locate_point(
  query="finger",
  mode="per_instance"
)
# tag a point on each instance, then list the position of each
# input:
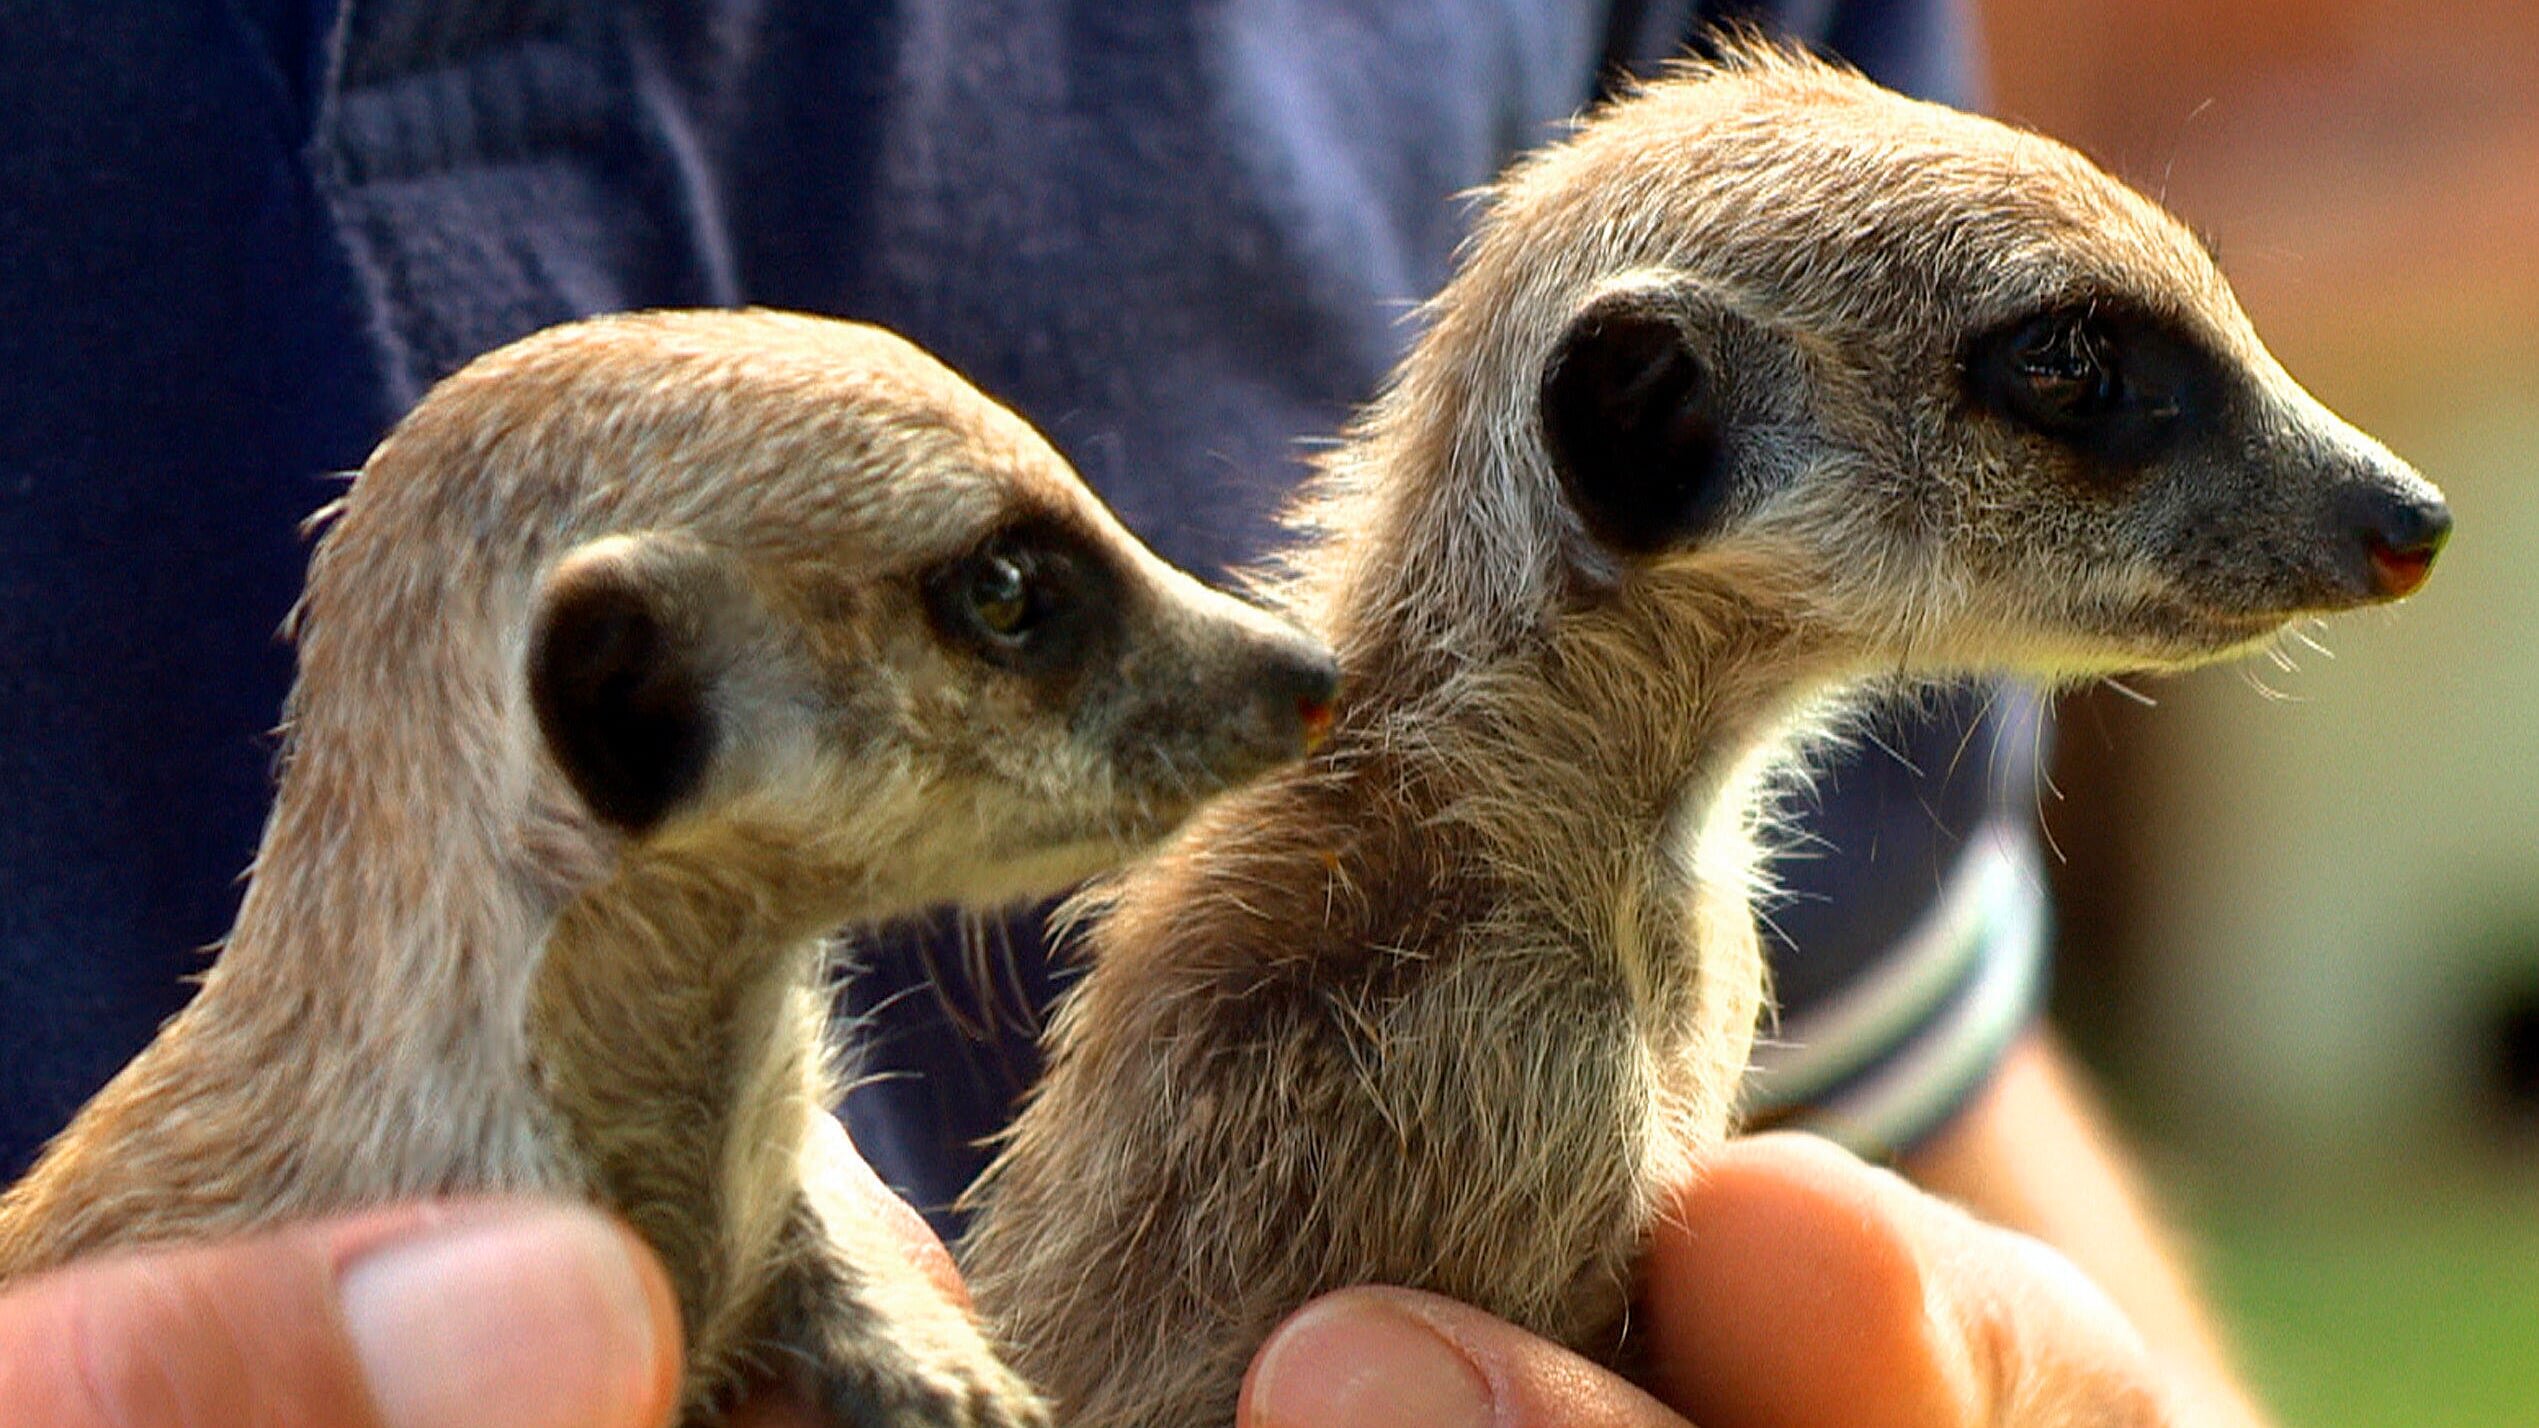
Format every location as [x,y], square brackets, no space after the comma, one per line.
[484,1315]
[1396,1358]
[1783,1291]
[1796,1287]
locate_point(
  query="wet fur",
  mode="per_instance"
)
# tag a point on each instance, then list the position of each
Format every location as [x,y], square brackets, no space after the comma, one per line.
[478,958]
[1448,1006]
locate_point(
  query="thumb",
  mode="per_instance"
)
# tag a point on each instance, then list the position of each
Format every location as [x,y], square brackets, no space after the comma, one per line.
[486,1315]
[1795,1286]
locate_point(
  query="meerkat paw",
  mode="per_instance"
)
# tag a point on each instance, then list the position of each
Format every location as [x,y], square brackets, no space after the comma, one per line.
[894,1379]
[875,1344]
[875,1341]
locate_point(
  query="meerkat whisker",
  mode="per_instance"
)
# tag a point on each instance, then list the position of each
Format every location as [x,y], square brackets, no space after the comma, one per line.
[2111,682]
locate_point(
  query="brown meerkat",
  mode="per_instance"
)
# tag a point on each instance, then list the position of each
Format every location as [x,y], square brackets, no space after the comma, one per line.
[1764,386]
[643,653]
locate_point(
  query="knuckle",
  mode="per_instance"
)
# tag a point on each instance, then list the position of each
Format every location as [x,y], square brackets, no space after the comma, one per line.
[186,1339]
[155,1348]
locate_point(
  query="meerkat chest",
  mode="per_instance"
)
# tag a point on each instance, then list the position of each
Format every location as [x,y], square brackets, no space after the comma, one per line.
[689,1104]
[1485,1136]
[1556,1098]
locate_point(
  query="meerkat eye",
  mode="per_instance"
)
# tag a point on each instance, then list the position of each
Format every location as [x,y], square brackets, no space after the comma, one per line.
[2115,384]
[1027,597]
[999,595]
[992,598]
[2064,371]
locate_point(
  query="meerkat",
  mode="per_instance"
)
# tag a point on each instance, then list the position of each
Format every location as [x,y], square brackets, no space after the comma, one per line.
[641,655]
[1763,387]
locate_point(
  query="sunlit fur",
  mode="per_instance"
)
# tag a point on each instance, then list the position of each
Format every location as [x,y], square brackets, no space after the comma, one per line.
[1448,1006]
[448,976]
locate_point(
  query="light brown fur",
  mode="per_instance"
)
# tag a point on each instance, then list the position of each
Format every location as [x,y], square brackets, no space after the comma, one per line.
[1450,1004]
[450,975]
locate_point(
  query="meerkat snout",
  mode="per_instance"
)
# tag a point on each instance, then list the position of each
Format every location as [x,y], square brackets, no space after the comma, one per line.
[2244,501]
[2398,530]
[1165,691]
[1188,662]
[1279,686]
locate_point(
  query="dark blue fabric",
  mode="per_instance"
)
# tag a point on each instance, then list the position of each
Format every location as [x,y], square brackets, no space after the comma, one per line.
[183,358]
[236,239]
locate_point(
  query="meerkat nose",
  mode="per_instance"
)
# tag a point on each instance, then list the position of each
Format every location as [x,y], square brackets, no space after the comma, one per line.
[2400,532]
[1307,679]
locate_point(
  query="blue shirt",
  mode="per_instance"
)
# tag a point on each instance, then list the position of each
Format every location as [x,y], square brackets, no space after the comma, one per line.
[236,240]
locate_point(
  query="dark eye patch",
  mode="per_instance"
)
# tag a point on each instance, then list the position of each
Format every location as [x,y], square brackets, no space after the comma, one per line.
[1036,597]
[2113,384]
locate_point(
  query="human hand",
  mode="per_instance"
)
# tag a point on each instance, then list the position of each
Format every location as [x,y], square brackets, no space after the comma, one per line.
[1794,1286]
[483,1314]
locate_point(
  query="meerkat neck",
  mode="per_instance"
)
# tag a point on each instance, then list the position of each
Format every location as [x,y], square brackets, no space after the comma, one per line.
[679,942]
[1611,764]
[1579,752]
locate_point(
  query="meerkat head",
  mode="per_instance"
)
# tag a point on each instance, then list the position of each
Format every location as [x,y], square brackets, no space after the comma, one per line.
[1955,395]
[794,594]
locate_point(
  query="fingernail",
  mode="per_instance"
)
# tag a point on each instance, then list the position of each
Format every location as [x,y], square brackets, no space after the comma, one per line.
[1358,1362]
[533,1320]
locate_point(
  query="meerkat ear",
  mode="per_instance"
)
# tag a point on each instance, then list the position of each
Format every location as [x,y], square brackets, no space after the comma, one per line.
[619,678]
[1630,417]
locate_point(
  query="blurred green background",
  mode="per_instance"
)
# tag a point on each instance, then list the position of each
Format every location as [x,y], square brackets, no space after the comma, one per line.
[2300,906]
